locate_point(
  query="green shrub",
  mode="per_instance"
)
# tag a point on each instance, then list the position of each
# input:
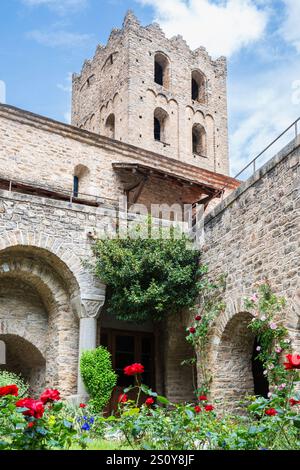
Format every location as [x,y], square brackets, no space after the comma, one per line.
[10,378]
[98,376]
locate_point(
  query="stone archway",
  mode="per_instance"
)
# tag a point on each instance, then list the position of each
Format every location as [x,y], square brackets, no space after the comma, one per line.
[26,360]
[36,307]
[232,368]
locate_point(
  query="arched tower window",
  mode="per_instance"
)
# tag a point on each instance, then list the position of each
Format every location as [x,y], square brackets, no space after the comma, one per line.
[198,86]
[161,70]
[81,180]
[160,124]
[199,140]
[110,126]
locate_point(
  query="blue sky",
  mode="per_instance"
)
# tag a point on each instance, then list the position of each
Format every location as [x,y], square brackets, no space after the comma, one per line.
[43,41]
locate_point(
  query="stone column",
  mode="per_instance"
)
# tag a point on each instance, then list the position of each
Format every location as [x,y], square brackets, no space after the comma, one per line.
[88,313]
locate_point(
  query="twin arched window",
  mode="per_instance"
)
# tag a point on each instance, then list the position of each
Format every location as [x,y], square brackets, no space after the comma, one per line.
[162,77]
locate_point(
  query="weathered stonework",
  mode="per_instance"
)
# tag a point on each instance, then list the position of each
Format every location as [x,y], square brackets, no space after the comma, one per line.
[252,235]
[119,82]
[51,305]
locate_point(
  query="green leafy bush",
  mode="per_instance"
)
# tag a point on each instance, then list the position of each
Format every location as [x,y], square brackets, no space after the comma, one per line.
[148,278]
[98,376]
[9,378]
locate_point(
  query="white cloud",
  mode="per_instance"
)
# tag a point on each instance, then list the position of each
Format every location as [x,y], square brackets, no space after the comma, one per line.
[59,38]
[223,28]
[59,6]
[67,86]
[261,108]
[2,92]
[290,29]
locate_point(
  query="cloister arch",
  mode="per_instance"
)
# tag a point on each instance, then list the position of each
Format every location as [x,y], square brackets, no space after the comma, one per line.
[235,372]
[25,359]
[35,305]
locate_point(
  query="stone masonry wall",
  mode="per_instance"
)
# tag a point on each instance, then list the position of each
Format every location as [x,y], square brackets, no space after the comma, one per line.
[254,234]
[119,80]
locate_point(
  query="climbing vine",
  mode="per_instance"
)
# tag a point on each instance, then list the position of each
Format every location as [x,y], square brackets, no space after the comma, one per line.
[272,336]
[210,305]
[148,278]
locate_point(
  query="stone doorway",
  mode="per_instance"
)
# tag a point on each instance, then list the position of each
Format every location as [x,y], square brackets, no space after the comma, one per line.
[24,359]
[128,347]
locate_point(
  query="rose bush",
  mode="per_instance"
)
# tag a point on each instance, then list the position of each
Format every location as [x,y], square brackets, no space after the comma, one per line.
[35,424]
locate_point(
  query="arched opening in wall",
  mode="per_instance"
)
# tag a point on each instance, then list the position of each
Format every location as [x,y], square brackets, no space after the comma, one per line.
[198,86]
[261,385]
[160,125]
[110,126]
[199,140]
[81,181]
[36,288]
[232,373]
[23,358]
[162,70]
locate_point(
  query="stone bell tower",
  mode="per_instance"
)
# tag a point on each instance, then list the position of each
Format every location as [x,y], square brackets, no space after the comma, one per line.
[156,93]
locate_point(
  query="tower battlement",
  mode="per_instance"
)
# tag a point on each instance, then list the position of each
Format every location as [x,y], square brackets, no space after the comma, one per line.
[147,90]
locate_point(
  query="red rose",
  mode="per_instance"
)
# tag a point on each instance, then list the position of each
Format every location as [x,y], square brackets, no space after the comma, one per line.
[30,425]
[293,361]
[294,402]
[149,401]
[198,318]
[50,395]
[202,398]
[192,330]
[209,408]
[35,407]
[123,398]
[271,412]
[24,403]
[9,390]
[82,405]
[197,409]
[134,369]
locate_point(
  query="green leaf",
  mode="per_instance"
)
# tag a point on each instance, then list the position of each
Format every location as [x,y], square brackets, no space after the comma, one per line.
[162,400]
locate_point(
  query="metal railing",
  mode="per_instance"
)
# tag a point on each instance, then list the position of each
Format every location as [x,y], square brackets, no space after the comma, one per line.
[55,192]
[253,162]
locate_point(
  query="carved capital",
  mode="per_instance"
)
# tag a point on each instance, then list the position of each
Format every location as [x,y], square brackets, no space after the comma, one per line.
[88,307]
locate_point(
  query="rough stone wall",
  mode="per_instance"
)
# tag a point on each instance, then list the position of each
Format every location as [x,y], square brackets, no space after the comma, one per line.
[254,234]
[46,153]
[120,80]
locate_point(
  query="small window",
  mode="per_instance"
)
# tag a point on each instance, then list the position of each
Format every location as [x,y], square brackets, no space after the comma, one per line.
[75,186]
[160,125]
[157,130]
[110,126]
[81,180]
[198,86]
[199,140]
[161,70]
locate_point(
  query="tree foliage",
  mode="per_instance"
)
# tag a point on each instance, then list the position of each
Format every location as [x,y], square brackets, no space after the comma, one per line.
[148,278]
